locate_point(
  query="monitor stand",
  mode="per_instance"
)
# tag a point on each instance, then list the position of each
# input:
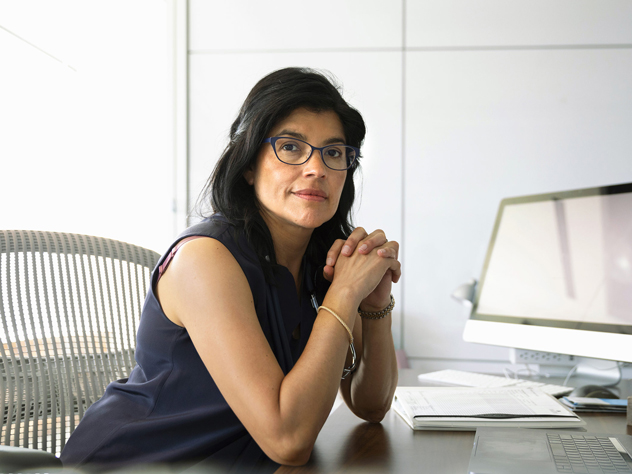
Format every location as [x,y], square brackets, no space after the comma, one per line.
[606,373]
[586,371]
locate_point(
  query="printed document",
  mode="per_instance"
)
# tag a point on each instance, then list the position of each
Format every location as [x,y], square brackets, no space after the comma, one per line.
[466,408]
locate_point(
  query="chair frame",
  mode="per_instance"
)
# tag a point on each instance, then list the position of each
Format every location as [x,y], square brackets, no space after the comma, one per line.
[70,305]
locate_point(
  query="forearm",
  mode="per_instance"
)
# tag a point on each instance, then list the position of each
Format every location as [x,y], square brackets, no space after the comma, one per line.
[308,391]
[370,391]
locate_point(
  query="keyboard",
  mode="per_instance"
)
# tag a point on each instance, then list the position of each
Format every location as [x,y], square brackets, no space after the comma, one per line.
[472,379]
[588,454]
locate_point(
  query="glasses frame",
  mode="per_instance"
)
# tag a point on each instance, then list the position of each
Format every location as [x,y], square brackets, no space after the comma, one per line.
[272,141]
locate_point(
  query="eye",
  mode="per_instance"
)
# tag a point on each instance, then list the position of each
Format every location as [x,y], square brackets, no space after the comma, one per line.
[288,146]
[334,152]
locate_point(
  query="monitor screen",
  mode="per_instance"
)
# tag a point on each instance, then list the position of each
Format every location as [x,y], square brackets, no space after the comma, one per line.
[558,275]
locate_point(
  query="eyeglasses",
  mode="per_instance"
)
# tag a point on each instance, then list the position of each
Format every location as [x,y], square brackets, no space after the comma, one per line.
[293,151]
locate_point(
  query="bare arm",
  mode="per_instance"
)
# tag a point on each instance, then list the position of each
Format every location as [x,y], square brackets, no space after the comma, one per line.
[369,390]
[205,291]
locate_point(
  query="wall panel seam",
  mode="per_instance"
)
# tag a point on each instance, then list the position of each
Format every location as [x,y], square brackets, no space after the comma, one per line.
[387,49]
[400,343]
[413,49]
[518,47]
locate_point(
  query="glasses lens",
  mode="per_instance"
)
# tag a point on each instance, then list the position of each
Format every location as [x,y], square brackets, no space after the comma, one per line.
[292,151]
[339,157]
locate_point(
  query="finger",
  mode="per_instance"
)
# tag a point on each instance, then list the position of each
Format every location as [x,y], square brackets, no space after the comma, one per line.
[375,239]
[352,241]
[396,272]
[395,268]
[389,250]
[328,273]
[334,251]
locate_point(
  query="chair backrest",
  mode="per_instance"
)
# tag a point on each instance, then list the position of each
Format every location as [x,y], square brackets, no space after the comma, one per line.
[69,308]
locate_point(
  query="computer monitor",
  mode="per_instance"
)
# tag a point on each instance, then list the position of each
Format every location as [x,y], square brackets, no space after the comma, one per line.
[558,275]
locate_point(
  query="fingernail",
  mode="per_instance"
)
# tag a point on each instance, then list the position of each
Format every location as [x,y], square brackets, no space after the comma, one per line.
[330,262]
[364,247]
[346,250]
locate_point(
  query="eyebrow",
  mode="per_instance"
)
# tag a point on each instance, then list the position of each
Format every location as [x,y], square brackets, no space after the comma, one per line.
[300,136]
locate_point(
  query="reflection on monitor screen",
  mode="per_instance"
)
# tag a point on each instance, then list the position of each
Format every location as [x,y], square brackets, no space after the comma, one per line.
[558,275]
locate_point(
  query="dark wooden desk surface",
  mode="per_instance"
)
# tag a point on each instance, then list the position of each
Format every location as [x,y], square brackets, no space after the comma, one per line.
[348,444]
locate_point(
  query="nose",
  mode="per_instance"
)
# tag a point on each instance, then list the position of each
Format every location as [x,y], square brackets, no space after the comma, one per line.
[315,166]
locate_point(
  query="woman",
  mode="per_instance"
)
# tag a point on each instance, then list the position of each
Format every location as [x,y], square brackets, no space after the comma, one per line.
[252,317]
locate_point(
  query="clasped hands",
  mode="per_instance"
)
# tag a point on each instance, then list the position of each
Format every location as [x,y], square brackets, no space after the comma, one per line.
[368,263]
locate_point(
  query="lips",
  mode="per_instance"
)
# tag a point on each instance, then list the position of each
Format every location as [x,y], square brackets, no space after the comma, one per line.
[311,194]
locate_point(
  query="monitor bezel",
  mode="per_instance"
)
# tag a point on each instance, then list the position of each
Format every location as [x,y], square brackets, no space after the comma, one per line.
[557,336]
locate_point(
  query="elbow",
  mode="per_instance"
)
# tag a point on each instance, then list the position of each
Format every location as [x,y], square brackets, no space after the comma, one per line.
[291,451]
[375,415]
[372,411]
[293,458]
[375,408]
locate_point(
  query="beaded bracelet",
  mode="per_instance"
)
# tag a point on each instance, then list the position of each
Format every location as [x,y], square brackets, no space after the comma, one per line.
[347,370]
[378,314]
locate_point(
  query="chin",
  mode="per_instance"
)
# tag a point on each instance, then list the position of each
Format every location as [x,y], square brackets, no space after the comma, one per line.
[309,224]
[312,222]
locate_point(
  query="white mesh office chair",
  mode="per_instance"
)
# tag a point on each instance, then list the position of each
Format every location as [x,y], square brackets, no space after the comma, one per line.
[69,308]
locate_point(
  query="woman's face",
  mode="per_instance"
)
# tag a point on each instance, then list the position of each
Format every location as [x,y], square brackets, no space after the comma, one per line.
[304,195]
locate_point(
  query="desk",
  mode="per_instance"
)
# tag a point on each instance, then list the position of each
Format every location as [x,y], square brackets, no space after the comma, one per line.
[347,444]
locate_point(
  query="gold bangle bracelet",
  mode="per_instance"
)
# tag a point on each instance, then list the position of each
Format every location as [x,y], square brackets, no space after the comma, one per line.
[378,314]
[346,370]
[341,322]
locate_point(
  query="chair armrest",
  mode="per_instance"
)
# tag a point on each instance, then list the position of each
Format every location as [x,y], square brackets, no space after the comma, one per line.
[14,459]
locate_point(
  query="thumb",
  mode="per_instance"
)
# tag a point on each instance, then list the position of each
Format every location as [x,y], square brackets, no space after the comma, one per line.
[328,273]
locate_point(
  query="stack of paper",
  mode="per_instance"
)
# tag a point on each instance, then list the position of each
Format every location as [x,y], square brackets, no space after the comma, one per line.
[595,405]
[466,408]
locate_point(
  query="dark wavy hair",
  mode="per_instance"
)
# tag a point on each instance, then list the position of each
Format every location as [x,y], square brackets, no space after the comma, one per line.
[271,100]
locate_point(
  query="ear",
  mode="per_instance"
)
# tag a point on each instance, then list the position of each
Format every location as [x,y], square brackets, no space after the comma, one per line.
[249,176]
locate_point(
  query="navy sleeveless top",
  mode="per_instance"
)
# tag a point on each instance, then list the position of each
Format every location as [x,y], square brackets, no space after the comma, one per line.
[169,410]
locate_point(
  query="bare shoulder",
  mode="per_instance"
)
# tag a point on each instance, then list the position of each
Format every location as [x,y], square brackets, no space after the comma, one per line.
[202,272]
[204,250]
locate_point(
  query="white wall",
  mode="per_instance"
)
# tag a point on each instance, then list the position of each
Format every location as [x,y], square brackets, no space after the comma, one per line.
[466,102]
[84,107]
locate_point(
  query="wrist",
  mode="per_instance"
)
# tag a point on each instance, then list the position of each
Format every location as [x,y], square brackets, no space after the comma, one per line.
[379,314]
[345,297]
[372,308]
